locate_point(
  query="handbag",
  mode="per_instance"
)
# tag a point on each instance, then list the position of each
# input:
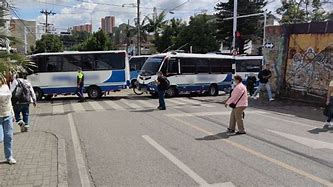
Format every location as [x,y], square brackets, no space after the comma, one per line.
[233,105]
[327,111]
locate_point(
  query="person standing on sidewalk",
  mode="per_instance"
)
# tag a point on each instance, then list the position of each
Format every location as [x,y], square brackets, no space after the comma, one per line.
[162,86]
[264,76]
[23,95]
[238,102]
[6,120]
[329,102]
[80,84]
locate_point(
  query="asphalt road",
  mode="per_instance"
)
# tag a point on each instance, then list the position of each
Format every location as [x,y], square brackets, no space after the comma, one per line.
[122,140]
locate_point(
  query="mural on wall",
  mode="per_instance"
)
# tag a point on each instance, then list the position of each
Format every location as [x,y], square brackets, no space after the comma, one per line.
[310,63]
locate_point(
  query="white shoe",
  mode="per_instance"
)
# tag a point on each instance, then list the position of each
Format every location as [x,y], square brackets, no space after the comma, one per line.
[11,161]
[271,99]
[328,125]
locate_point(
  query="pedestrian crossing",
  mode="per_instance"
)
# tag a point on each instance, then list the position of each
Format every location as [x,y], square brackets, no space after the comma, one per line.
[61,107]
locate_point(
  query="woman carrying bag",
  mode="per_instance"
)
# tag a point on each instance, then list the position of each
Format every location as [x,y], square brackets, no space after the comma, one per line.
[329,107]
[238,102]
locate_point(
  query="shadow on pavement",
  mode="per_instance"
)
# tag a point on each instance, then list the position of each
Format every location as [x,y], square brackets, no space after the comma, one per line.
[320,130]
[146,110]
[218,136]
[3,162]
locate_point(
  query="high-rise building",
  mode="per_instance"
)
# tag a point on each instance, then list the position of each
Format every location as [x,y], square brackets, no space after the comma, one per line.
[108,23]
[83,28]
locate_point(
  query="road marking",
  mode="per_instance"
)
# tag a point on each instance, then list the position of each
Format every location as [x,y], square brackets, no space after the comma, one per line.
[315,144]
[84,177]
[260,155]
[58,108]
[268,115]
[175,101]
[195,102]
[182,166]
[208,114]
[78,107]
[96,106]
[114,105]
[147,104]
[130,104]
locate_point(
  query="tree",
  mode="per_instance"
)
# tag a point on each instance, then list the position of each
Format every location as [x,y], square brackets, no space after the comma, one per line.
[250,28]
[11,62]
[330,16]
[200,34]
[71,41]
[48,43]
[301,11]
[156,24]
[98,41]
[166,40]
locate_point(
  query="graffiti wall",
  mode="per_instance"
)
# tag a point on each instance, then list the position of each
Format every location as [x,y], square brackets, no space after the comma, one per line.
[309,66]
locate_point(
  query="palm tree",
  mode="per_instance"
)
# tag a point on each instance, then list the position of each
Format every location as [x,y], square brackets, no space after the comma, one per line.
[9,62]
[156,23]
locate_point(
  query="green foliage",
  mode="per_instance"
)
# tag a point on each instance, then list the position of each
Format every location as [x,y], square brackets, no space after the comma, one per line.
[200,34]
[71,41]
[48,43]
[98,41]
[250,28]
[301,11]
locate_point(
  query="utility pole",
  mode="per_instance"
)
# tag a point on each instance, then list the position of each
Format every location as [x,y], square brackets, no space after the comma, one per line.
[47,13]
[234,25]
[139,29]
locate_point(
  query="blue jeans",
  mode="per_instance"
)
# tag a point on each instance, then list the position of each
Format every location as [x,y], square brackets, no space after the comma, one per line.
[24,109]
[161,94]
[261,86]
[6,135]
[330,116]
[79,92]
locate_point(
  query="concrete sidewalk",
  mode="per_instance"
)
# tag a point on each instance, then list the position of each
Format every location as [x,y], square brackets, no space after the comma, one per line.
[41,160]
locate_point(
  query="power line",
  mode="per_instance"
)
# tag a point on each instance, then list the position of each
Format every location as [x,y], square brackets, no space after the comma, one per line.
[47,14]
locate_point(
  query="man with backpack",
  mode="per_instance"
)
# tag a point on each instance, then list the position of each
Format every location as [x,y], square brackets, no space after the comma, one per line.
[22,95]
[162,85]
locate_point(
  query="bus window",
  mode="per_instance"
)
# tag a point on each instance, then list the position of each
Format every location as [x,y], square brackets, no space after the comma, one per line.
[71,62]
[87,62]
[137,63]
[173,66]
[109,61]
[218,66]
[187,66]
[250,65]
[202,65]
[152,65]
[51,64]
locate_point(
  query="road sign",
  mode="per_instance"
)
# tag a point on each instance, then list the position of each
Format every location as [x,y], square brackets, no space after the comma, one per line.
[269,45]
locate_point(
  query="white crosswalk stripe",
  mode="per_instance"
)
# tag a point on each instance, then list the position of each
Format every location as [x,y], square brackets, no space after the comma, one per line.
[77,107]
[114,105]
[96,106]
[58,108]
[126,104]
[130,104]
[147,104]
[195,102]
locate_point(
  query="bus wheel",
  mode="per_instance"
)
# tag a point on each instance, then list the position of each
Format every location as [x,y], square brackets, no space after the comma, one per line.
[48,97]
[39,94]
[94,92]
[171,92]
[213,91]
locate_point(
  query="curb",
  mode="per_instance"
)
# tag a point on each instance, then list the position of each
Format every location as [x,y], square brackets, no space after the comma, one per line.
[62,163]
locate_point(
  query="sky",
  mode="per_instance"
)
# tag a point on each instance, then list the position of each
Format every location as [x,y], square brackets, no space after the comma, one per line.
[77,12]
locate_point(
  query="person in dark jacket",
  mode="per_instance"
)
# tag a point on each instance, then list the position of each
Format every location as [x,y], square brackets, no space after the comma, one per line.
[161,88]
[250,83]
[264,76]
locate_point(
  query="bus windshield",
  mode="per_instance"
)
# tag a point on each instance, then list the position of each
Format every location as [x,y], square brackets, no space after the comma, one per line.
[152,65]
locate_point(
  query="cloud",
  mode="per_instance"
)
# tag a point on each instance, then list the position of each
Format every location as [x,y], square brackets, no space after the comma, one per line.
[76,12]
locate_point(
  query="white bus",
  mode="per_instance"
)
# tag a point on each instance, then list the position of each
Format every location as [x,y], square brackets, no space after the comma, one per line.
[56,72]
[200,73]
[246,65]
